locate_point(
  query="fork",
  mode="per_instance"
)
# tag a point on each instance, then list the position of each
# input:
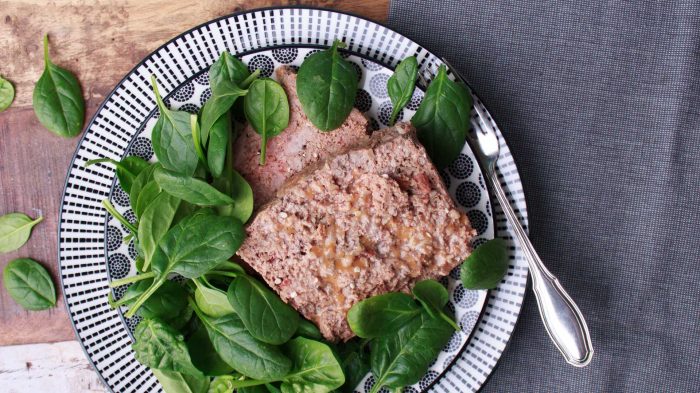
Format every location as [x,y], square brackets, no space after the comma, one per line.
[561,316]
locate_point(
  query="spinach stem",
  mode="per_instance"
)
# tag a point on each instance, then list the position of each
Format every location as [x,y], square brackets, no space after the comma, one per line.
[263,147]
[249,382]
[99,161]
[247,81]
[132,279]
[142,299]
[108,206]
[46,50]
[197,141]
[222,273]
[450,321]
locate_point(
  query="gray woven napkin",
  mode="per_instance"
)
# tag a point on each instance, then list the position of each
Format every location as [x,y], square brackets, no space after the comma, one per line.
[600,104]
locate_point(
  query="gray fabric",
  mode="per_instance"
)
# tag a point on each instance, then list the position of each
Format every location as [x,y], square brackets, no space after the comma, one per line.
[600,104]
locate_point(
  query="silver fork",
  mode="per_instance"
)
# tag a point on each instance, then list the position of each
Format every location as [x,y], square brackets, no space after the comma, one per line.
[560,315]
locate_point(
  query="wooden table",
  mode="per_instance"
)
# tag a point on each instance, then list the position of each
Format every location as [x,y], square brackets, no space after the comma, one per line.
[100,41]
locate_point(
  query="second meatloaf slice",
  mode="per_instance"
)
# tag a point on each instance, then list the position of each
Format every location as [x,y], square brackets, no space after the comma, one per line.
[369,221]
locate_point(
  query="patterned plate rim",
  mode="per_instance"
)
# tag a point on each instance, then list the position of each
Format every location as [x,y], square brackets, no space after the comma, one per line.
[522,209]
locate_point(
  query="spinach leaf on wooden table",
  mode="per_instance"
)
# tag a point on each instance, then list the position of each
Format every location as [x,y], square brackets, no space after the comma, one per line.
[382,314]
[172,138]
[7,94]
[29,284]
[15,229]
[238,348]
[263,313]
[190,189]
[486,266]
[161,347]
[327,85]
[442,120]
[267,110]
[57,99]
[401,85]
[434,297]
[402,358]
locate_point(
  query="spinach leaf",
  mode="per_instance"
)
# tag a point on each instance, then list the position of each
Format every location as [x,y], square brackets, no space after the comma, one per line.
[147,195]
[223,96]
[161,347]
[267,110]
[154,223]
[433,296]
[486,266]
[241,350]
[219,135]
[401,359]
[174,382]
[355,363]
[203,354]
[212,301]
[401,85]
[263,313]
[172,138]
[168,304]
[197,139]
[442,120]
[228,69]
[132,293]
[143,178]
[127,169]
[7,94]
[309,330]
[192,190]
[382,314]
[192,247]
[222,384]
[233,184]
[57,99]
[29,284]
[314,367]
[327,85]
[15,229]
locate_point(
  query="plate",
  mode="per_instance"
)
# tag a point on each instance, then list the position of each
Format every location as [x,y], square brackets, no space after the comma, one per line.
[91,250]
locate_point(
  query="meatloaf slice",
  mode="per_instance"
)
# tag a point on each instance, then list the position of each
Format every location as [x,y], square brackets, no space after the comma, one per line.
[372,220]
[299,145]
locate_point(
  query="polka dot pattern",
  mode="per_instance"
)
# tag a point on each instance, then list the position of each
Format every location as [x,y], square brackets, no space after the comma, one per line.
[118,265]
[477,241]
[141,148]
[189,108]
[363,100]
[478,221]
[454,343]
[468,320]
[131,217]
[132,250]
[113,238]
[465,297]
[120,197]
[377,85]
[468,194]
[370,65]
[285,55]
[384,114]
[263,63]
[311,52]
[428,379]
[416,100]
[206,95]
[119,291]
[131,323]
[462,167]
[202,79]
[184,92]
[369,383]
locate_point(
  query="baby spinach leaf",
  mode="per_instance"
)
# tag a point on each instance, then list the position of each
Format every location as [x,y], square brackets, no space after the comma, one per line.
[197,139]
[7,94]
[174,382]
[212,301]
[401,359]
[15,229]
[154,223]
[228,69]
[147,195]
[327,85]
[168,304]
[233,184]
[401,85]
[314,367]
[241,350]
[161,347]
[433,296]
[172,138]
[132,293]
[442,120]
[194,246]
[57,99]
[263,313]
[143,178]
[223,96]
[267,110]
[309,330]
[204,355]
[29,284]
[382,314]
[486,266]
[188,188]
[127,169]
[219,136]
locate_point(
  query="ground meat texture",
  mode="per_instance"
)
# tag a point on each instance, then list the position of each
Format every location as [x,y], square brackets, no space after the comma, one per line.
[298,146]
[374,219]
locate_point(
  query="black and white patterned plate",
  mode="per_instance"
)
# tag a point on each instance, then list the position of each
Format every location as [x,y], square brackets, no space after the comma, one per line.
[91,252]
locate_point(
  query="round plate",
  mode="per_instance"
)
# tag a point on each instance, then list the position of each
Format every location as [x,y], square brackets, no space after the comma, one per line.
[91,251]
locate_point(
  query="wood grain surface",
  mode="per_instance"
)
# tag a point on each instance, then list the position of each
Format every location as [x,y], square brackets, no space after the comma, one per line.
[100,41]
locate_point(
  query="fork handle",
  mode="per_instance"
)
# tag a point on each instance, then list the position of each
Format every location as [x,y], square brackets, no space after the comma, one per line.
[560,315]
